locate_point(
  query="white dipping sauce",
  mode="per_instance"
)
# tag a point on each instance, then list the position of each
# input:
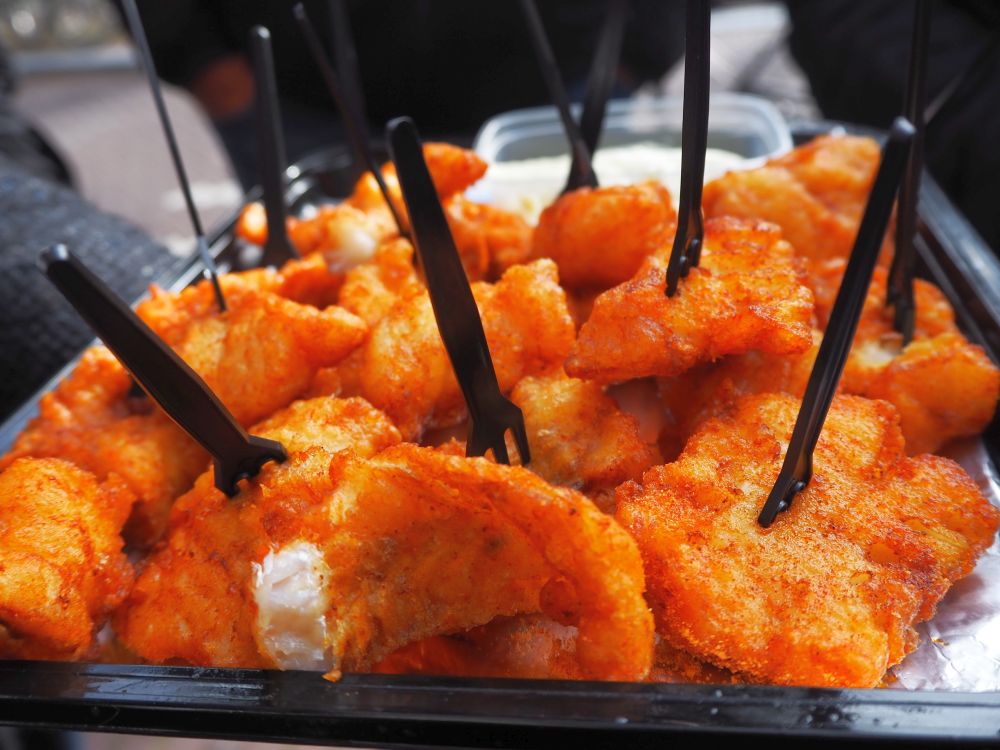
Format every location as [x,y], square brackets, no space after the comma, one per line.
[528,186]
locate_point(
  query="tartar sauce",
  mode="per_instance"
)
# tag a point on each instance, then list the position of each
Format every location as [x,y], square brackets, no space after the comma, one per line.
[528,186]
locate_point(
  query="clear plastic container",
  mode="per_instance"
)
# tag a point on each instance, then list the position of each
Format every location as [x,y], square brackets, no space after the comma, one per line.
[746,125]
[529,154]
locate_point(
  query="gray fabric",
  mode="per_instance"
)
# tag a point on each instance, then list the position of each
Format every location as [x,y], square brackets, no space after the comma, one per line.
[39,331]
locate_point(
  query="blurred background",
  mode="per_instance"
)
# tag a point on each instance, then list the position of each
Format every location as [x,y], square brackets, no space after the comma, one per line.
[69,72]
[451,64]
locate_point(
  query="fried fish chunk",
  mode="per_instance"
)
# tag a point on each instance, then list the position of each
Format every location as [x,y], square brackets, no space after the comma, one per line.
[341,234]
[710,390]
[579,437]
[942,385]
[452,168]
[521,647]
[62,569]
[403,367]
[261,353]
[192,601]
[489,239]
[258,356]
[333,560]
[827,596]
[599,237]
[816,194]
[372,289]
[90,420]
[747,294]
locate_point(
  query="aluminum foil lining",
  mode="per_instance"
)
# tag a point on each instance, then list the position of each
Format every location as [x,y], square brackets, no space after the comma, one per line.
[960,647]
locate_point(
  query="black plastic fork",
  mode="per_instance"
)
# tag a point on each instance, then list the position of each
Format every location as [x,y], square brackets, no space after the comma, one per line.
[177,388]
[796,471]
[601,79]
[455,310]
[270,151]
[581,170]
[690,234]
[899,290]
[138,32]
[356,128]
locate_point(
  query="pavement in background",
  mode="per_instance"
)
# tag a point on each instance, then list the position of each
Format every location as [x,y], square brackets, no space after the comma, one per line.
[105,126]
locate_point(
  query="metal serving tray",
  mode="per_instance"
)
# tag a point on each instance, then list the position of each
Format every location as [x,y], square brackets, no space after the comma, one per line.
[417,711]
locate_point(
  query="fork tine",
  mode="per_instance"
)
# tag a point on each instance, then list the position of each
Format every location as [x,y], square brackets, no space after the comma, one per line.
[521,438]
[455,309]
[796,469]
[499,446]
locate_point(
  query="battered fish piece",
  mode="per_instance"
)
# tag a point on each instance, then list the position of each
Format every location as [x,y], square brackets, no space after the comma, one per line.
[521,647]
[62,569]
[452,168]
[192,601]
[348,234]
[90,420]
[341,234]
[579,437]
[334,560]
[747,294]
[258,356]
[827,596]
[943,386]
[838,169]
[934,314]
[261,353]
[599,237]
[489,239]
[372,289]
[710,390]
[404,370]
[816,194]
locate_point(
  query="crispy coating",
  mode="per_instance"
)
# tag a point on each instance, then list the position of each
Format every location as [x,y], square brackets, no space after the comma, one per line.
[934,314]
[452,168]
[829,594]
[403,534]
[62,569]
[489,239]
[522,647]
[341,234]
[262,352]
[816,194]
[599,237]
[371,289]
[943,388]
[710,390]
[942,385]
[90,420]
[546,548]
[257,357]
[579,437]
[838,169]
[403,367]
[191,602]
[747,294]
